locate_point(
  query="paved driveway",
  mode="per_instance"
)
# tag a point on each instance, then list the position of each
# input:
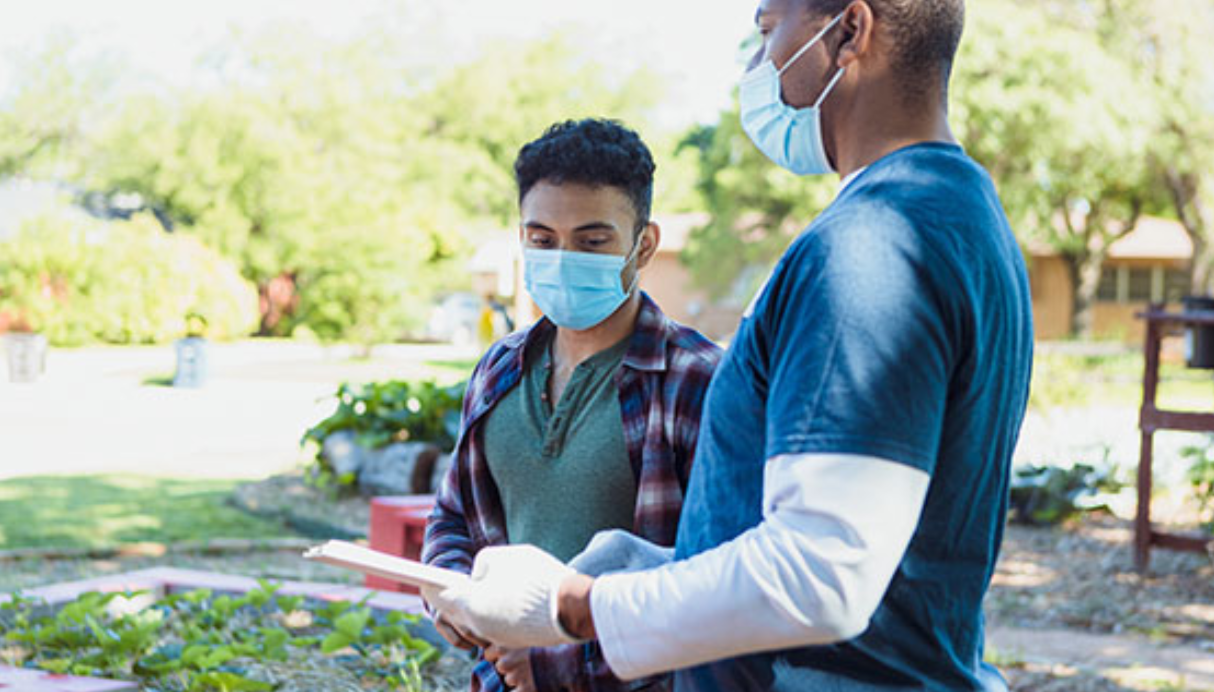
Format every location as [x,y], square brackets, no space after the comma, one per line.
[94,412]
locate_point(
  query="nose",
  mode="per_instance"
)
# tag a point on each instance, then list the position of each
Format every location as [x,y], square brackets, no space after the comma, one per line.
[758,57]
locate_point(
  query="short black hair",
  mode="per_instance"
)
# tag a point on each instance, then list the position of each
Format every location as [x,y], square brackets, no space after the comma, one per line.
[926,34]
[594,152]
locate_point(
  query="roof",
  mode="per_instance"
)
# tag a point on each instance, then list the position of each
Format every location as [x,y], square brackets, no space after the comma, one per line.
[1154,238]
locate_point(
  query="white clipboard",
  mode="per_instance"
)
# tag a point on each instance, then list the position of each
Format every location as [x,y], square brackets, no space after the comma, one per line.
[356,557]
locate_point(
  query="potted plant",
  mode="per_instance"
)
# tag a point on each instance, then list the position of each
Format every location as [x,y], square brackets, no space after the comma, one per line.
[192,353]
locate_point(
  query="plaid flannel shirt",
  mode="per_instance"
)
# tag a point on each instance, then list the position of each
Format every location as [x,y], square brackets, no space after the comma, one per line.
[662,382]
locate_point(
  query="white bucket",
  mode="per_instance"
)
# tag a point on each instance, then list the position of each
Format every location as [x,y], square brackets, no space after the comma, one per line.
[26,356]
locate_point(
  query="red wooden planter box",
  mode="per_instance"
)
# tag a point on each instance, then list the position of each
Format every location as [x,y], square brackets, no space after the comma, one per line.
[398,527]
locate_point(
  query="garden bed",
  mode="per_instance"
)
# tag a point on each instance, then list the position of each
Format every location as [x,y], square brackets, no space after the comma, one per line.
[174,630]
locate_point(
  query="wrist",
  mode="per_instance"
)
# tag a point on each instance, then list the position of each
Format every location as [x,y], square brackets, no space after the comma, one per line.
[573,606]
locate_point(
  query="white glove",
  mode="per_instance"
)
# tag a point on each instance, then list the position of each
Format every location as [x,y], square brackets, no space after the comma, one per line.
[616,550]
[511,599]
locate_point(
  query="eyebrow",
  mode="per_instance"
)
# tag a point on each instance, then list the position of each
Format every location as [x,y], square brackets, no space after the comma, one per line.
[592,226]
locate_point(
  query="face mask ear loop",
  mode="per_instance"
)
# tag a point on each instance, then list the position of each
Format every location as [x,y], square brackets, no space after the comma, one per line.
[633,254]
[829,86]
[810,44]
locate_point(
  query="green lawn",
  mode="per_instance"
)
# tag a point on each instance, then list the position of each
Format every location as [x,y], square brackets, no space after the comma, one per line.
[101,511]
[1115,379]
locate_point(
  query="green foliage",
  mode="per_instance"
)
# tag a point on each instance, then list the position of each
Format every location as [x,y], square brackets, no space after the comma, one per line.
[79,280]
[1044,495]
[197,642]
[395,411]
[756,209]
[1201,477]
[380,413]
[346,168]
[55,91]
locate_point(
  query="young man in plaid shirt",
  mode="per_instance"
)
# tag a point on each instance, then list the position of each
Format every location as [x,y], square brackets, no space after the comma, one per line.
[588,420]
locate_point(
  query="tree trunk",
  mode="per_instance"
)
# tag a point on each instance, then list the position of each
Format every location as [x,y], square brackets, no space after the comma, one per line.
[1085,280]
[1203,265]
[1193,213]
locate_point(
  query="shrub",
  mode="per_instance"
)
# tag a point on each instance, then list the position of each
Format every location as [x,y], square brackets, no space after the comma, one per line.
[1201,477]
[1043,495]
[79,280]
[384,412]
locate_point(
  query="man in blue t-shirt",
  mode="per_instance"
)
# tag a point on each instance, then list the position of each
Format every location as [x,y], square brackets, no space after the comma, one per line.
[846,504]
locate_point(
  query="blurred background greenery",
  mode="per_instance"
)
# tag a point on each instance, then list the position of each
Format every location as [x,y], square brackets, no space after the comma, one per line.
[333,187]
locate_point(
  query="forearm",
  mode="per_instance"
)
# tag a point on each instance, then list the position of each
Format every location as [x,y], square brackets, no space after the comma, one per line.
[812,572]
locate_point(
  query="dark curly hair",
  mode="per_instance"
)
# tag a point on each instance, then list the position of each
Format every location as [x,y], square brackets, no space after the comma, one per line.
[592,152]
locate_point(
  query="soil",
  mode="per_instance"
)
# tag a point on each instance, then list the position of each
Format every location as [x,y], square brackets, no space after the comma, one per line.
[1082,576]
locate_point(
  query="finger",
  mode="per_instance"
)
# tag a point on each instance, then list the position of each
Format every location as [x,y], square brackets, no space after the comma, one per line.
[514,657]
[477,641]
[471,637]
[452,634]
[492,654]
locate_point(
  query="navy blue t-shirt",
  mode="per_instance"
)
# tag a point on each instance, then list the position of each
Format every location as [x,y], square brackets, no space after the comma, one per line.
[898,325]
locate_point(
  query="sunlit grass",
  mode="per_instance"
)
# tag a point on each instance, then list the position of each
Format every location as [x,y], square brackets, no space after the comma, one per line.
[1077,380]
[101,511]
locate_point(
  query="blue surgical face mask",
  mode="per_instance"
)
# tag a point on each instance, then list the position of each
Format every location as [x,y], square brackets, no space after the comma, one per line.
[790,137]
[577,290]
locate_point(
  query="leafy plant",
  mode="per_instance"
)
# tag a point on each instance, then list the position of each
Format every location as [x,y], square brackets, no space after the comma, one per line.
[1201,477]
[380,413]
[200,642]
[1042,495]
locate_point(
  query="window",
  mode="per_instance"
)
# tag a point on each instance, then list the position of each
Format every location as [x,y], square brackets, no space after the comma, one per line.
[1176,284]
[1140,285]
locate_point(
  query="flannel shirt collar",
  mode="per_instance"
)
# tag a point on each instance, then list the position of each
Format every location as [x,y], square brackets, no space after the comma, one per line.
[646,350]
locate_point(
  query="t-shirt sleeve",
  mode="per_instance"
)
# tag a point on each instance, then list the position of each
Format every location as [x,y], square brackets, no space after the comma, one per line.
[858,340]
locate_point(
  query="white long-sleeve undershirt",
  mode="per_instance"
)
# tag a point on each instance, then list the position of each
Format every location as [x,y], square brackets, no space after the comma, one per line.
[834,530]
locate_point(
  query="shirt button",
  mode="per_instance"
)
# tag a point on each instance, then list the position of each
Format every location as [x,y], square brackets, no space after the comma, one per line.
[487,398]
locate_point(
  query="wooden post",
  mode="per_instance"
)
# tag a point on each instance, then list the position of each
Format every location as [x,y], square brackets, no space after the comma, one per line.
[1152,420]
[1150,385]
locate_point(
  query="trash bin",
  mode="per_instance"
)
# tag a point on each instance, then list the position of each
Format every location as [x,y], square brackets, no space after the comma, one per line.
[191,362]
[26,356]
[1199,339]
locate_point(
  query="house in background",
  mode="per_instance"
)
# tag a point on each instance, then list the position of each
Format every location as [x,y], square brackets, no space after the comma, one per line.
[1149,265]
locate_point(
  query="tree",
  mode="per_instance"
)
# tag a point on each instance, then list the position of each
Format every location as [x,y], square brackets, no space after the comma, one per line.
[344,178]
[55,92]
[755,209]
[1065,128]
[479,114]
[1168,45]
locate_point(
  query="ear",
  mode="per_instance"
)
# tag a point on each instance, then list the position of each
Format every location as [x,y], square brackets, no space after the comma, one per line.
[650,238]
[857,28]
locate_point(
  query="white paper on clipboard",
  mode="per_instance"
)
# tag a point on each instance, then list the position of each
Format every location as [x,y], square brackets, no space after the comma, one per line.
[356,557]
